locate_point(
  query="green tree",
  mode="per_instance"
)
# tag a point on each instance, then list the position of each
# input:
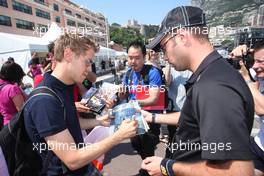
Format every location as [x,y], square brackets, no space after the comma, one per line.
[115,25]
[151,31]
[228,44]
[124,36]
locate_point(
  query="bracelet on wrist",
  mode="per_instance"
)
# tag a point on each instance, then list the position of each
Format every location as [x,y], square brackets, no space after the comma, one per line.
[166,167]
[249,81]
[140,103]
[153,118]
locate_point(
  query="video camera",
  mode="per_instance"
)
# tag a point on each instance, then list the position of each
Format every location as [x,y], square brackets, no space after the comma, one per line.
[250,37]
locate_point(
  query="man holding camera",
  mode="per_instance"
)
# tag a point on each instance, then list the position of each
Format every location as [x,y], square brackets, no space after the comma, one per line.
[218,110]
[257,90]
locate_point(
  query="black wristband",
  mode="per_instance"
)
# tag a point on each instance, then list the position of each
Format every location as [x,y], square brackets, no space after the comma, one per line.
[166,167]
[153,118]
[140,104]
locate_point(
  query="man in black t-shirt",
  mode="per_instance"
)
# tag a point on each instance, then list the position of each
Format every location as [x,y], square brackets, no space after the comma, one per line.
[215,122]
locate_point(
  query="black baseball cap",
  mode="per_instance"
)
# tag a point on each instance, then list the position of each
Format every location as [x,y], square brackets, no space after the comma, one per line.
[183,16]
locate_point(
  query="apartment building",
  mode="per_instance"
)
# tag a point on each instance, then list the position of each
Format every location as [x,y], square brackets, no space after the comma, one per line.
[33,17]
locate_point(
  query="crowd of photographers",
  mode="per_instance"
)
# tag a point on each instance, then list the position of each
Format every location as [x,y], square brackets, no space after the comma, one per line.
[213,102]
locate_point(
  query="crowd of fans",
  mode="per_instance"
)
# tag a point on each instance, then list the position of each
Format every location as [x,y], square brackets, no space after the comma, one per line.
[210,102]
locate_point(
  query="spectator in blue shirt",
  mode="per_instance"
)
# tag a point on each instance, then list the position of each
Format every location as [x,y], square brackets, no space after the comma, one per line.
[144,144]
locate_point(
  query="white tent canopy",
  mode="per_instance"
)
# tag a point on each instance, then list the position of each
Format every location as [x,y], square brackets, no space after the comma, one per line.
[53,33]
[121,53]
[106,52]
[20,47]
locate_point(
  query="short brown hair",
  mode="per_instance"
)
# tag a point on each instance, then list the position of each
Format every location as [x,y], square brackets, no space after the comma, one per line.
[79,44]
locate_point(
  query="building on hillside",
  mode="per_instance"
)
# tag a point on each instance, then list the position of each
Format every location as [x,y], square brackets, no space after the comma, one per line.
[133,24]
[260,17]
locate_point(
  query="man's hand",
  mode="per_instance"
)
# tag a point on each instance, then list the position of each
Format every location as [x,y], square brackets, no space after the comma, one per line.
[147,116]
[81,108]
[255,85]
[152,165]
[104,120]
[122,92]
[238,53]
[127,129]
[109,103]
[243,71]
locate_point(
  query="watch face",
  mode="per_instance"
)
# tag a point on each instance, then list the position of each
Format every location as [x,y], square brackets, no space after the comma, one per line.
[163,170]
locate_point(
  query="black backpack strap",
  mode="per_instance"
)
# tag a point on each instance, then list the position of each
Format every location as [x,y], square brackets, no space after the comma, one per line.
[43,90]
[40,91]
[16,136]
[145,73]
[127,75]
[129,81]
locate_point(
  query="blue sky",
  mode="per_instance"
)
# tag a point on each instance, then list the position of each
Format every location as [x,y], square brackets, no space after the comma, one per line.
[144,11]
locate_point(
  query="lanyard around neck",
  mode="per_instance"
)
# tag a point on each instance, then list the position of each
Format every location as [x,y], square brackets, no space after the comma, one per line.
[131,79]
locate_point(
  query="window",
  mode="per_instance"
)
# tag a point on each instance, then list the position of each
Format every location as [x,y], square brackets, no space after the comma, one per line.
[3,3]
[78,16]
[101,18]
[21,7]
[68,12]
[57,19]
[94,22]
[81,25]
[42,14]
[5,20]
[87,19]
[41,2]
[22,24]
[56,7]
[42,28]
[71,23]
